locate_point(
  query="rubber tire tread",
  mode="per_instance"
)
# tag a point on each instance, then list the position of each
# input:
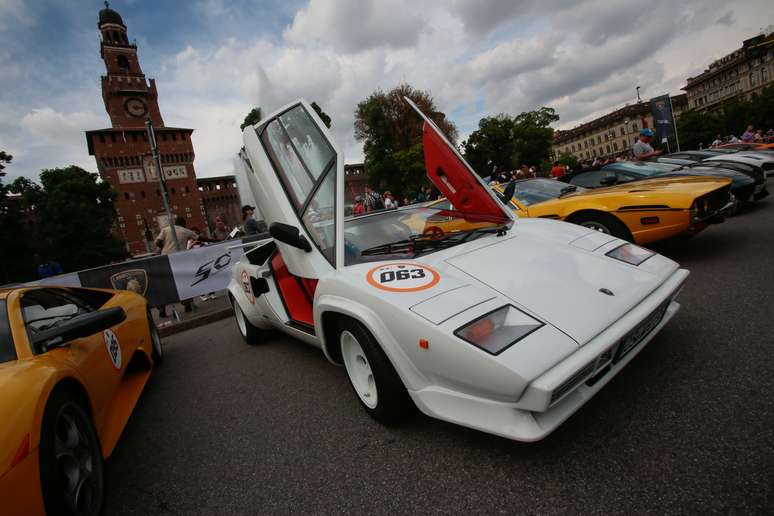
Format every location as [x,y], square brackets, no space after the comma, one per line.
[158,358]
[394,403]
[254,335]
[50,479]
[617,228]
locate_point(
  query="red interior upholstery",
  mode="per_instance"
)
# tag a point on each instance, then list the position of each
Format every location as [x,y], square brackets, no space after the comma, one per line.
[297,293]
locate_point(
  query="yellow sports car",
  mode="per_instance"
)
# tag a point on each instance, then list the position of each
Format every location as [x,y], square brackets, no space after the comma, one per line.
[641,212]
[73,363]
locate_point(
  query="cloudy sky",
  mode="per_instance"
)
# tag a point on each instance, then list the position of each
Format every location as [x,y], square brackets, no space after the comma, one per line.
[215,59]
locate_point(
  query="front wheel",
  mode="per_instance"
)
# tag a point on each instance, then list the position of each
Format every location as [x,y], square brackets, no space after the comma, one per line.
[156,352]
[250,333]
[71,467]
[604,223]
[371,374]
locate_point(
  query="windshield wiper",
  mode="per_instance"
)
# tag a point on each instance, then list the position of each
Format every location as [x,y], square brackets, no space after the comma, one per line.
[567,190]
[421,243]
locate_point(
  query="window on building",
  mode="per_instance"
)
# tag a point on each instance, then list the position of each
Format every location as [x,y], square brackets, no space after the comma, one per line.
[201,188]
[163,137]
[123,63]
[187,190]
[134,137]
[126,196]
[174,137]
[599,139]
[101,138]
[615,146]
[752,79]
[173,191]
[142,194]
[763,74]
[113,137]
[608,148]
[634,126]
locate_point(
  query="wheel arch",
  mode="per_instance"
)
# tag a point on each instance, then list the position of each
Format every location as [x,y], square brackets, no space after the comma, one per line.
[591,212]
[328,308]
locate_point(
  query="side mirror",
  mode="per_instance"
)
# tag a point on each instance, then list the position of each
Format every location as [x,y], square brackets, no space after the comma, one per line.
[290,235]
[609,180]
[79,326]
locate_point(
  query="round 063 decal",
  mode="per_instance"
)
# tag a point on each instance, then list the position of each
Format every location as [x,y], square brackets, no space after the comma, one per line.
[245,278]
[113,348]
[402,277]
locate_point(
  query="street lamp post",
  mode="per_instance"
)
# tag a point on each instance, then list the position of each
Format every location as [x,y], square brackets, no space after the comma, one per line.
[162,181]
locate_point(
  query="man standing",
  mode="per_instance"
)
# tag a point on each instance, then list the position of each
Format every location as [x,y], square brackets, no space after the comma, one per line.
[221,229]
[642,149]
[557,170]
[373,201]
[167,245]
[249,224]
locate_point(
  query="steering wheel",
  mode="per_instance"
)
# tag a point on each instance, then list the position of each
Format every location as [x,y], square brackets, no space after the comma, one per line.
[434,232]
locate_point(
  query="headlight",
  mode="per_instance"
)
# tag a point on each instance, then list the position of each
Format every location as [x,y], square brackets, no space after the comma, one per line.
[498,330]
[630,253]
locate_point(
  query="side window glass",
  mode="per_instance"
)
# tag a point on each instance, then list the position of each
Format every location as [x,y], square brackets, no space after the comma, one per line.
[307,140]
[45,309]
[298,181]
[590,179]
[320,217]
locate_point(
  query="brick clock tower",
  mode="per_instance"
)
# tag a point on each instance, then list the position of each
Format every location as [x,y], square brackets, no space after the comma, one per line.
[123,153]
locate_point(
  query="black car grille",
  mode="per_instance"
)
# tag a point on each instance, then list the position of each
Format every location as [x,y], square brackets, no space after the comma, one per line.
[709,204]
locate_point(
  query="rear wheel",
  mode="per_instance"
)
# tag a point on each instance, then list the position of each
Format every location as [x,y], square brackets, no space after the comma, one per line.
[71,467]
[250,333]
[371,374]
[603,223]
[156,351]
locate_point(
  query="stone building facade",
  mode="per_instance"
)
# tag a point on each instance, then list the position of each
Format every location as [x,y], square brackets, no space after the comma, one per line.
[610,135]
[220,196]
[739,75]
[123,153]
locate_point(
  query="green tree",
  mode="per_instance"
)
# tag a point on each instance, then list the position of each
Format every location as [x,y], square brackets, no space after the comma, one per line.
[569,160]
[16,262]
[695,127]
[322,114]
[75,217]
[252,118]
[503,142]
[391,133]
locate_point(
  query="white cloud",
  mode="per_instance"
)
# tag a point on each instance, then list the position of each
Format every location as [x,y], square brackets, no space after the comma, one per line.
[357,25]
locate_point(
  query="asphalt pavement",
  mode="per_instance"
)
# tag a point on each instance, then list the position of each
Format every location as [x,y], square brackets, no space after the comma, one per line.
[687,427]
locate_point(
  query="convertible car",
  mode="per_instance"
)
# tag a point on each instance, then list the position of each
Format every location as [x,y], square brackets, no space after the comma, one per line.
[466,326]
[73,363]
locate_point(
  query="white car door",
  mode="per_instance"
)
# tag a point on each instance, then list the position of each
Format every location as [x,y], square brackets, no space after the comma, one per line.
[296,174]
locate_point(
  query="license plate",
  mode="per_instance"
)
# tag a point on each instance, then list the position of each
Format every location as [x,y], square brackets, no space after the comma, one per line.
[635,336]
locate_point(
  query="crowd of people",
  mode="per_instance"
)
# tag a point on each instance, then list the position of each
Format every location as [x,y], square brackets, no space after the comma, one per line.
[371,200]
[750,135]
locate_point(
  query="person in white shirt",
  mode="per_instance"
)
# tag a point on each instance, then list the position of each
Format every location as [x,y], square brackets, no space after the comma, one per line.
[389,201]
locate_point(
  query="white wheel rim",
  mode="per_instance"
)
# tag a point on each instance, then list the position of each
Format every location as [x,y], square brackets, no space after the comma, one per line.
[358,369]
[240,319]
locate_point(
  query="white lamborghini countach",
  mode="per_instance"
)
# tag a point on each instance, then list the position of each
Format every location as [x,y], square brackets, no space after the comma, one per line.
[501,324]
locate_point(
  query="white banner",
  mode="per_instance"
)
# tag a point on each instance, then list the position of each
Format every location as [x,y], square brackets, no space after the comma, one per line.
[204,269]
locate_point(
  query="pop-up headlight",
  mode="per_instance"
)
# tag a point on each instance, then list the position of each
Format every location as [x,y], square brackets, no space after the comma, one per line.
[630,253]
[498,330]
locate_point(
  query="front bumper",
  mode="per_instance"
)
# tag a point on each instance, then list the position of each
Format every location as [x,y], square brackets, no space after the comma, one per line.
[534,416]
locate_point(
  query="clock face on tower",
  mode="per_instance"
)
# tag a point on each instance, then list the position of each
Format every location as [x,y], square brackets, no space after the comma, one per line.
[135,107]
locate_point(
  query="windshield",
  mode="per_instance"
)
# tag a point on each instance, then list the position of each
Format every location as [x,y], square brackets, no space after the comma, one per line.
[534,191]
[410,232]
[646,169]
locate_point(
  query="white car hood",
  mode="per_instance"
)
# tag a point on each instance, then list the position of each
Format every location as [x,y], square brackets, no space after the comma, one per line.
[558,282]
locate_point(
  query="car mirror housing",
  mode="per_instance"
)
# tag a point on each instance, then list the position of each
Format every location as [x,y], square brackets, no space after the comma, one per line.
[289,235]
[79,326]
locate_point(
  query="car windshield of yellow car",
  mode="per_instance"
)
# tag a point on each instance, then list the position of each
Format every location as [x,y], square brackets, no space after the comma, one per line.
[412,231]
[534,191]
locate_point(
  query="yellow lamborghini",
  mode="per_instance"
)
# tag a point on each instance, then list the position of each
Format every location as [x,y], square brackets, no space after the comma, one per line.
[641,212]
[73,363]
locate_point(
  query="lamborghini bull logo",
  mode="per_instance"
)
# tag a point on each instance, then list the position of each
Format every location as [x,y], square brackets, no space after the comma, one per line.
[135,280]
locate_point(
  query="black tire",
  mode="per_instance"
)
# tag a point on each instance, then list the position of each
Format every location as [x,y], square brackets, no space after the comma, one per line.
[157,352]
[250,333]
[393,403]
[71,465]
[604,223]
